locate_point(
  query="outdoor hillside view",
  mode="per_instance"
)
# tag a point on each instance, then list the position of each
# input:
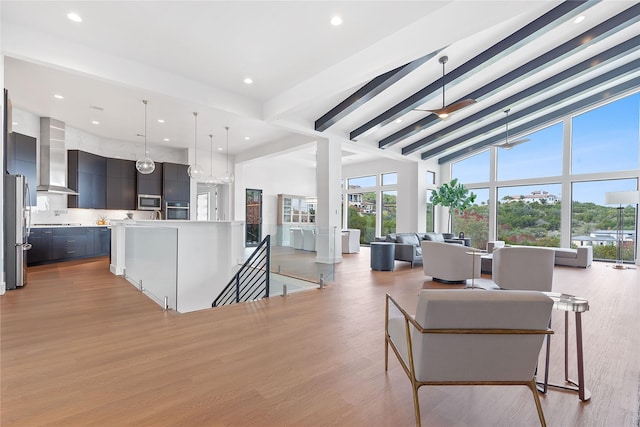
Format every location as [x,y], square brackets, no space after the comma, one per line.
[603,146]
[538,224]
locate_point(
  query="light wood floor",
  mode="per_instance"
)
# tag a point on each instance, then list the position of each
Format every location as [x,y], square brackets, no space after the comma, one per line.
[81,347]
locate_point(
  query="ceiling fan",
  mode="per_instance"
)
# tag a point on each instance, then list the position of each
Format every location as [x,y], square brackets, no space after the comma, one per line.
[506,144]
[444,112]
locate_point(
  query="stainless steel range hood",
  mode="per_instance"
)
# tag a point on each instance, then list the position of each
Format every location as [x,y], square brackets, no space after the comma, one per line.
[53,157]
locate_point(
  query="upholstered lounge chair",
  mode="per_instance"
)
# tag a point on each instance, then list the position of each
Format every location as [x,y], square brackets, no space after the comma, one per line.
[469,337]
[448,263]
[523,268]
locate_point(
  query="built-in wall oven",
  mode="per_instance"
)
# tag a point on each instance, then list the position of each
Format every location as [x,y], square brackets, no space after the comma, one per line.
[176,210]
[149,202]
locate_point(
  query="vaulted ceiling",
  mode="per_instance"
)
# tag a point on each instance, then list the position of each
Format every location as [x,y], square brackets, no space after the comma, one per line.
[364,82]
[559,63]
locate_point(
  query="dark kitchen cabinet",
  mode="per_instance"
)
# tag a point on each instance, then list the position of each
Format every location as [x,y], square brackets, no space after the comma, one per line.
[176,183]
[21,160]
[57,244]
[121,184]
[151,183]
[87,176]
[70,243]
[41,243]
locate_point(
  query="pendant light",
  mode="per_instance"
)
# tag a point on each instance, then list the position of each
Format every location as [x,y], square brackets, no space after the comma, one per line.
[195,171]
[145,165]
[506,144]
[227,178]
[211,181]
[444,112]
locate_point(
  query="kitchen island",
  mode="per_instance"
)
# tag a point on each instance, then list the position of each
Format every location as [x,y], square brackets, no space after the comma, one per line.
[183,264]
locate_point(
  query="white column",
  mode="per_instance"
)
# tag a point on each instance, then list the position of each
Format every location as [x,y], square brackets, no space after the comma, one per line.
[3,283]
[328,176]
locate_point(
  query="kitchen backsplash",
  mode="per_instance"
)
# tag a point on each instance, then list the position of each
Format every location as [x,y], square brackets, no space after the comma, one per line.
[52,209]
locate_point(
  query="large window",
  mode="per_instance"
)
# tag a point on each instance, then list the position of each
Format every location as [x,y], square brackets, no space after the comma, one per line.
[595,223]
[389,207]
[363,181]
[474,221]
[541,156]
[472,169]
[362,215]
[604,145]
[529,215]
[429,216]
[606,139]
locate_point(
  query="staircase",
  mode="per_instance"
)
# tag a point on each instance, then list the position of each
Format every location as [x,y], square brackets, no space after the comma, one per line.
[251,282]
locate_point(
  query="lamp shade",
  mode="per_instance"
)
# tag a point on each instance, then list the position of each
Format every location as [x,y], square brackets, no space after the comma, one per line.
[622,198]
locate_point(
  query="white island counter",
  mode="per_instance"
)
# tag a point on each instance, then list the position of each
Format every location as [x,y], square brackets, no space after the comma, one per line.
[185,263]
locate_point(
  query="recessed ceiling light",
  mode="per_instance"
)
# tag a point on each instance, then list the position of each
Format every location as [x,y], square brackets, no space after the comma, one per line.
[166,140]
[219,148]
[58,96]
[246,138]
[398,120]
[74,17]
[579,19]
[248,80]
[336,20]
[95,122]
[160,121]
[14,123]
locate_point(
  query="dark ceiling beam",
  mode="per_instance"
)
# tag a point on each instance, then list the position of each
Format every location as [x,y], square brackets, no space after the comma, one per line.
[551,117]
[620,21]
[488,56]
[548,118]
[367,92]
[549,102]
[590,64]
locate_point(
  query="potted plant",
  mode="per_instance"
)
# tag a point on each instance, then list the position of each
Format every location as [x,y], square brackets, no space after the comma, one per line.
[452,195]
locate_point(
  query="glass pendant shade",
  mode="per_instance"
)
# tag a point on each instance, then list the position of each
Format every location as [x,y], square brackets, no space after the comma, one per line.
[227,178]
[145,166]
[195,171]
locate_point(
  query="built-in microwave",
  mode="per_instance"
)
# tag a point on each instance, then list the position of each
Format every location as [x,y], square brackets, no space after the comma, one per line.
[149,202]
[176,210]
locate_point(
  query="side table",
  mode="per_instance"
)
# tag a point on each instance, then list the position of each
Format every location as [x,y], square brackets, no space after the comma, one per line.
[577,305]
[383,256]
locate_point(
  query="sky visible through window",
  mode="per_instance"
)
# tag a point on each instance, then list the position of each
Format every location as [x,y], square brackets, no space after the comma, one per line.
[607,138]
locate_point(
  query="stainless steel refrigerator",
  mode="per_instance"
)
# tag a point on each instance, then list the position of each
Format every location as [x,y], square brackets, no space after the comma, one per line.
[17,221]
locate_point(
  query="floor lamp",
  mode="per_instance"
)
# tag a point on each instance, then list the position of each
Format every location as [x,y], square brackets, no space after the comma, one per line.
[621,198]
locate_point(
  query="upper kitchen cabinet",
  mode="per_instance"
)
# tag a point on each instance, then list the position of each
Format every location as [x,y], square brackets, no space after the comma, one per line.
[121,184]
[21,160]
[176,184]
[151,183]
[87,175]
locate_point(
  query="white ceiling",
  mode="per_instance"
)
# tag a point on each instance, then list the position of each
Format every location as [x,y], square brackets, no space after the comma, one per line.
[193,56]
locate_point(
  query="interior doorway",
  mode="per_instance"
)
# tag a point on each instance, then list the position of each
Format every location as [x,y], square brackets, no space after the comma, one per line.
[253,217]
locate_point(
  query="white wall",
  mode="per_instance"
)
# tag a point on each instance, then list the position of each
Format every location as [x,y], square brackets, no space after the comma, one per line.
[3,283]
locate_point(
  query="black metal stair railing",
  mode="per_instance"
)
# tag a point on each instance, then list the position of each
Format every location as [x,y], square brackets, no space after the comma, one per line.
[251,282]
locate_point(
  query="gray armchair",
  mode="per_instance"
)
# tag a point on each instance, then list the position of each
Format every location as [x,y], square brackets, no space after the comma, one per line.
[467,337]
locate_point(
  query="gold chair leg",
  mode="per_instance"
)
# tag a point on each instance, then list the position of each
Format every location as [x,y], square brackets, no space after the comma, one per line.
[386,353]
[536,398]
[416,403]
